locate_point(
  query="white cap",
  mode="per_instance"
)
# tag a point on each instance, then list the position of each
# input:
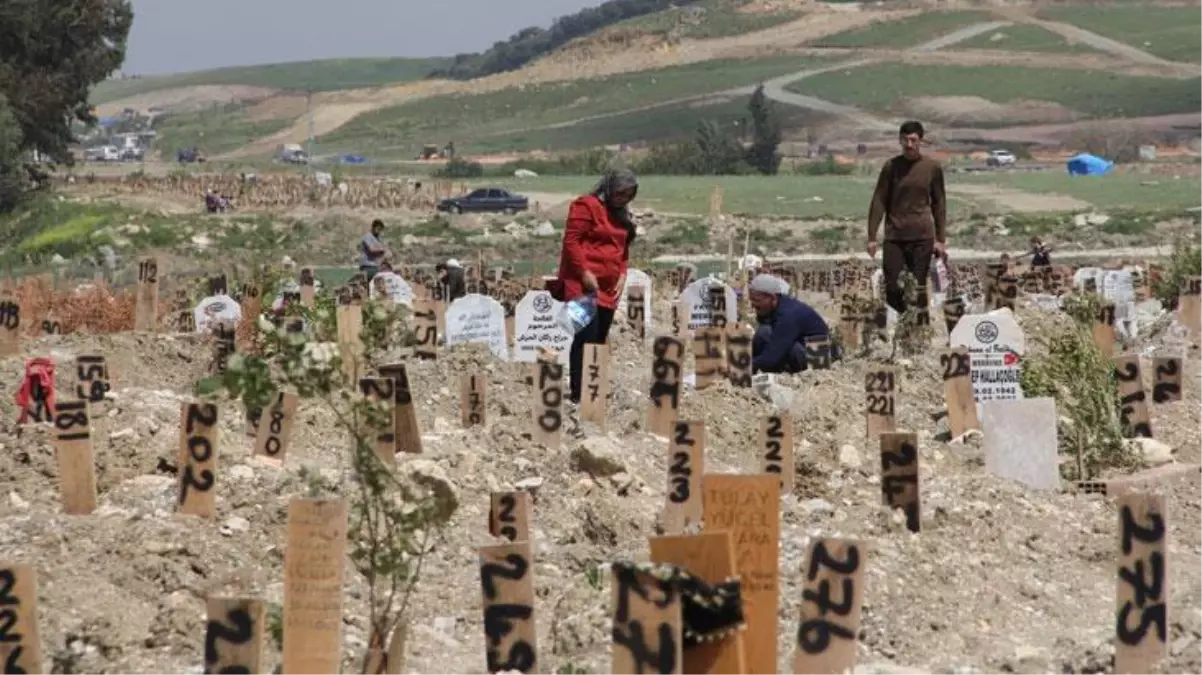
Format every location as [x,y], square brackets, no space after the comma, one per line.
[451,262]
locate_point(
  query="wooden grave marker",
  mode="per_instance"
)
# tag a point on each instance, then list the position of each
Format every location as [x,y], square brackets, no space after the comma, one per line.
[507,580]
[818,353]
[308,292]
[224,345]
[425,328]
[1103,330]
[880,385]
[313,567]
[1133,410]
[509,515]
[10,328]
[271,443]
[711,557]
[749,508]
[899,475]
[647,624]
[683,505]
[636,315]
[957,390]
[832,597]
[473,399]
[1166,385]
[51,326]
[707,356]
[350,344]
[93,374]
[667,352]
[20,644]
[1189,308]
[1005,292]
[594,389]
[776,447]
[547,410]
[198,459]
[851,322]
[1142,590]
[147,299]
[738,354]
[76,467]
[234,630]
[382,390]
[408,436]
[953,311]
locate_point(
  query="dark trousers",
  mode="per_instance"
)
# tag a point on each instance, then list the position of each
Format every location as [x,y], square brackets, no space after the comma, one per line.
[596,333]
[795,360]
[905,255]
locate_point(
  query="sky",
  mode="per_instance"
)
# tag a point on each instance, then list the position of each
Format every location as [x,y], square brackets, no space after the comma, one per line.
[171,36]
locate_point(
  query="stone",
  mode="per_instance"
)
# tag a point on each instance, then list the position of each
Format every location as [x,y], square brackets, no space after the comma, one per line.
[428,474]
[817,507]
[531,484]
[240,472]
[849,457]
[599,457]
[1021,442]
[127,432]
[1153,452]
[233,525]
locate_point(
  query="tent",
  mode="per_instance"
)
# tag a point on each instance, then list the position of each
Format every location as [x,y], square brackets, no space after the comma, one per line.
[1086,164]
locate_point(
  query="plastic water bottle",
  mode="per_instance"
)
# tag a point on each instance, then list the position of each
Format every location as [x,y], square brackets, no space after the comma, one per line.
[577,314]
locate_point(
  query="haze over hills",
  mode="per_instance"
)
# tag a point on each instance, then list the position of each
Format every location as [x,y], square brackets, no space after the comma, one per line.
[632,71]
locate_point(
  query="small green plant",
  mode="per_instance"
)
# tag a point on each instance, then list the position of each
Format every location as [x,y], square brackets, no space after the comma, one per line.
[1081,380]
[687,232]
[830,239]
[912,333]
[1185,261]
[457,167]
[594,577]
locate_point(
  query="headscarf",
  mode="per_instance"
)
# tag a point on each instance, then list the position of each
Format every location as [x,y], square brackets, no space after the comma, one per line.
[613,182]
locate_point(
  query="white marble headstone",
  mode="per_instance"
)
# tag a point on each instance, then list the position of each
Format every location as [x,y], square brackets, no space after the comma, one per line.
[534,327]
[638,278]
[477,318]
[696,295]
[996,345]
[1021,442]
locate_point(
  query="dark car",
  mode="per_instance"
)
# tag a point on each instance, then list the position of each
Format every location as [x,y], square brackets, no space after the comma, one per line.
[189,155]
[486,200]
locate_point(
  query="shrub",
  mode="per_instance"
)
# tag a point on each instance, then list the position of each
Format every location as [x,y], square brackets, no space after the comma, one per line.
[460,168]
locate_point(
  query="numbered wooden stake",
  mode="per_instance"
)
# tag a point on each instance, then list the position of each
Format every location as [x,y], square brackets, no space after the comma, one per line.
[647,624]
[957,389]
[473,399]
[313,565]
[953,311]
[1142,592]
[93,375]
[707,356]
[1189,307]
[308,292]
[851,322]
[350,344]
[76,469]
[274,437]
[818,353]
[1006,292]
[899,475]
[509,515]
[667,353]
[830,618]
[776,449]
[147,303]
[1133,410]
[234,635]
[1103,330]
[686,466]
[10,328]
[252,307]
[711,557]
[594,389]
[20,646]
[636,310]
[880,384]
[680,319]
[224,335]
[738,355]
[408,436]
[382,391]
[749,508]
[425,328]
[198,460]
[507,579]
[547,410]
[1166,387]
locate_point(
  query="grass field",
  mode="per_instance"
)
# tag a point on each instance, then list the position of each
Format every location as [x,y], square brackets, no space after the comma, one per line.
[323,75]
[721,19]
[401,130]
[878,87]
[1171,33]
[214,130]
[1025,38]
[905,33]
[1115,191]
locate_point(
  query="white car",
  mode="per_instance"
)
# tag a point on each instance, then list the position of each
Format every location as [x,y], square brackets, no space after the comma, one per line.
[1001,158]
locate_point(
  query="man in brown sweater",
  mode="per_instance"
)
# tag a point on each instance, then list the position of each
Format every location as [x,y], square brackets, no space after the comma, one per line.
[910,197]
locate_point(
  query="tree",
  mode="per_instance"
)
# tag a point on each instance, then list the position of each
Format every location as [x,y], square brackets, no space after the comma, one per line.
[52,52]
[12,174]
[718,151]
[766,133]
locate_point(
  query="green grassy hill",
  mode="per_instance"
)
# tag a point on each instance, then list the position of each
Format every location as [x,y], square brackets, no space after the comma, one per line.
[323,75]
[1168,32]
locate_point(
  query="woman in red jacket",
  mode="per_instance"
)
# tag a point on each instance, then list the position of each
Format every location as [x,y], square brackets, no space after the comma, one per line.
[596,248]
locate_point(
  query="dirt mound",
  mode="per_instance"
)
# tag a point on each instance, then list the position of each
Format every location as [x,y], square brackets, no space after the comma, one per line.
[972,110]
[187,99]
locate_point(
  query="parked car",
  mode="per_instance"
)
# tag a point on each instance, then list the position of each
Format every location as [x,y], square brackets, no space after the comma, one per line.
[291,153]
[132,154]
[189,155]
[486,200]
[103,153]
[1000,158]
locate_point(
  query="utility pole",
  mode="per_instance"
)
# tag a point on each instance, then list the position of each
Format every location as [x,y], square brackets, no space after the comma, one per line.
[309,111]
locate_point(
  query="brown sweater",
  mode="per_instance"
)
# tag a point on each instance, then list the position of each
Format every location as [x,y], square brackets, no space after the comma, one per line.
[910,196]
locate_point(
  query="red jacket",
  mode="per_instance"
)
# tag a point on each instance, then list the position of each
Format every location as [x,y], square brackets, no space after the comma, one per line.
[592,242]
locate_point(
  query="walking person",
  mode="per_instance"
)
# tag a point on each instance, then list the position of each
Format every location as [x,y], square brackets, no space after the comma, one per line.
[596,250]
[911,198]
[372,250]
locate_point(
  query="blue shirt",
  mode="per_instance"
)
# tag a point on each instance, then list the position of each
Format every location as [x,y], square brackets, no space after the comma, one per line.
[365,258]
[792,321]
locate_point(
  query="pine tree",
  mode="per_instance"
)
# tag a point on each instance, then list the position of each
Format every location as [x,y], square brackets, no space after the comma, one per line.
[766,133]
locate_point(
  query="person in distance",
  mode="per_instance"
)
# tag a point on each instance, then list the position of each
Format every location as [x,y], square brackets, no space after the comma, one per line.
[911,198]
[596,250]
[372,250]
[450,275]
[785,323]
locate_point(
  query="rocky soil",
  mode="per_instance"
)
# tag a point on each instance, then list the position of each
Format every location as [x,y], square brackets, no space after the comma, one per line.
[1001,579]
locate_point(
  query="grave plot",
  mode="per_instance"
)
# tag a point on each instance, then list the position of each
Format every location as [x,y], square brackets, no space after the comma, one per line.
[875,517]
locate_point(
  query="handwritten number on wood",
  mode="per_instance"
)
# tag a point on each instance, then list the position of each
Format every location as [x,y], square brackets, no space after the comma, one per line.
[241,633]
[814,635]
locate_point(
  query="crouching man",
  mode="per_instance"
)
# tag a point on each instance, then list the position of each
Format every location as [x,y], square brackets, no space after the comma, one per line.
[784,325]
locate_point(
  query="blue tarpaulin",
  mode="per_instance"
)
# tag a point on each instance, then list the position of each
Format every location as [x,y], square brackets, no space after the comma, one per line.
[1086,164]
[354,159]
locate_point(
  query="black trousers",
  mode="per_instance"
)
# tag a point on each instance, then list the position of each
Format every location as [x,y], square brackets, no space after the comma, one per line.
[596,333]
[905,255]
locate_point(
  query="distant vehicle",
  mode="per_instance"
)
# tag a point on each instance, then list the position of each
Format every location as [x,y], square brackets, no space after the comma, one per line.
[486,200]
[103,153]
[132,154]
[189,155]
[1000,158]
[291,153]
